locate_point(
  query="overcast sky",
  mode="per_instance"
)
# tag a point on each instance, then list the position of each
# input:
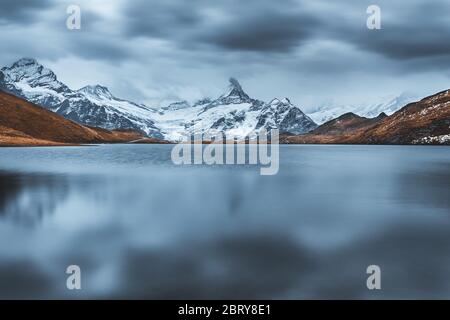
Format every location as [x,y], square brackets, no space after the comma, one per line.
[313,52]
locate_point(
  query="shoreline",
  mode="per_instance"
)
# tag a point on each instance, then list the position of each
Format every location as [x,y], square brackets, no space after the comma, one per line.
[56,144]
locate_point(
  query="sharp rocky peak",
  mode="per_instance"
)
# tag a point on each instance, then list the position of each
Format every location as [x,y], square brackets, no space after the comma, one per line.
[382,115]
[235,91]
[30,71]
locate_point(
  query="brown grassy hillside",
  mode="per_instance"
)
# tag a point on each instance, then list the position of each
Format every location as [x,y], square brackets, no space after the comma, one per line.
[425,121]
[24,123]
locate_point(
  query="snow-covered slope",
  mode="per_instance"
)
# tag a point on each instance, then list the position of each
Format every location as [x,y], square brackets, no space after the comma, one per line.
[388,105]
[91,105]
[283,115]
[96,106]
[233,113]
[35,83]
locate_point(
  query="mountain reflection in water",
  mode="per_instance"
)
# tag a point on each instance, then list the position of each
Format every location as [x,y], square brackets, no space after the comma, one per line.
[140,227]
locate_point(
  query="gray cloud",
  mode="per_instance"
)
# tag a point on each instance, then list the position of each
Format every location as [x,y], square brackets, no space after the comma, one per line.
[161,18]
[94,47]
[418,44]
[309,51]
[277,32]
[252,25]
[410,29]
[24,11]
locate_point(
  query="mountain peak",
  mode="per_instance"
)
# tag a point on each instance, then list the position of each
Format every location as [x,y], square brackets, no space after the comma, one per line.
[382,115]
[29,72]
[348,115]
[286,101]
[235,92]
[96,91]
[235,84]
[25,66]
[24,62]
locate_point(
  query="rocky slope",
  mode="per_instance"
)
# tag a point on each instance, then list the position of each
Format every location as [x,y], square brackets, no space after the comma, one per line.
[428,118]
[24,123]
[424,122]
[284,116]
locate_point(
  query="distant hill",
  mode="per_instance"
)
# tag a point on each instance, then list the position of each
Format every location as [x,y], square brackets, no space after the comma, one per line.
[347,123]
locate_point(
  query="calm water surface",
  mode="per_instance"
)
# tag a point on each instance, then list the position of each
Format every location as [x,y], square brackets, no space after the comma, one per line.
[140,227]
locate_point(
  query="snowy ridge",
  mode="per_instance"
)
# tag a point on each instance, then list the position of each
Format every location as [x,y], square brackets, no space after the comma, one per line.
[389,105]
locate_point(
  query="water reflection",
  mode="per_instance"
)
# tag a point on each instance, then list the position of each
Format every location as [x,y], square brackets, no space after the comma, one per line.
[145,229]
[26,198]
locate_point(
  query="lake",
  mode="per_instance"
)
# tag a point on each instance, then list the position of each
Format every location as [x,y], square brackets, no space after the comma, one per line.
[140,227]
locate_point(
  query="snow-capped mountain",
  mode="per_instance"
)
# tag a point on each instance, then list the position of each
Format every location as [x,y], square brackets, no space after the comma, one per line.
[283,115]
[233,113]
[37,84]
[388,105]
[96,106]
[91,105]
[235,95]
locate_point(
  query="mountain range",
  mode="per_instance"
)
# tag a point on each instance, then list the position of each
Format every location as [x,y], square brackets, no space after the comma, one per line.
[23,123]
[387,105]
[91,105]
[233,113]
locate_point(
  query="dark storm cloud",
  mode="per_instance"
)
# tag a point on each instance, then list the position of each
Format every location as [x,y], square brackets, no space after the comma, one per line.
[410,29]
[51,40]
[402,44]
[276,45]
[278,31]
[161,18]
[420,30]
[97,47]
[23,11]
[230,25]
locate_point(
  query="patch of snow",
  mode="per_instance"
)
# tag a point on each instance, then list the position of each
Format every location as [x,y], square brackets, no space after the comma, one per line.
[442,139]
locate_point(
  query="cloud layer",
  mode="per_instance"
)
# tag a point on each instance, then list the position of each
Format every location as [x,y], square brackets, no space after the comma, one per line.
[311,51]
